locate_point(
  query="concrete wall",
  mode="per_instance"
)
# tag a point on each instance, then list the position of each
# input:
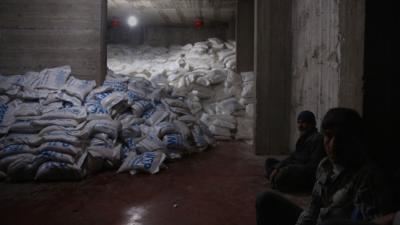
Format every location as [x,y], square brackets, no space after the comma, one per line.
[35,34]
[273,69]
[308,55]
[126,35]
[245,36]
[352,32]
[165,36]
[231,31]
[327,57]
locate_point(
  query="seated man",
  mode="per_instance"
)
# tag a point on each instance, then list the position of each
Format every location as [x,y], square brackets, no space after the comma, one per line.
[392,217]
[346,187]
[297,172]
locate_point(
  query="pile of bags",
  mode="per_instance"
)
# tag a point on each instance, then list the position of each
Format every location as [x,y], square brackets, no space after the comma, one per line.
[56,127]
[203,73]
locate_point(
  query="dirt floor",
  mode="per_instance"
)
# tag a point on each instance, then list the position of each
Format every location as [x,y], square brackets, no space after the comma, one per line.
[216,187]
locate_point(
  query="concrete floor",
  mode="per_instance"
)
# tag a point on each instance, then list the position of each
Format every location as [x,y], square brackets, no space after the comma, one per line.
[216,187]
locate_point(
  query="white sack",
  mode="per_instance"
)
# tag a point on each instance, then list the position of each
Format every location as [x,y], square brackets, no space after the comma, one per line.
[149,162]
[61,147]
[56,122]
[28,109]
[245,129]
[79,88]
[15,149]
[56,171]
[76,113]
[6,161]
[53,78]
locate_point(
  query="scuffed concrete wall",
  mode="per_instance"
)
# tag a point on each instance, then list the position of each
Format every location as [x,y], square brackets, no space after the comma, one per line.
[273,58]
[327,57]
[165,36]
[35,34]
[125,35]
[316,58]
[245,36]
[352,30]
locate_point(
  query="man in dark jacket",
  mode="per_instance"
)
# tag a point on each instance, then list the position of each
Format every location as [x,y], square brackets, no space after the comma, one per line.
[297,172]
[347,185]
[391,217]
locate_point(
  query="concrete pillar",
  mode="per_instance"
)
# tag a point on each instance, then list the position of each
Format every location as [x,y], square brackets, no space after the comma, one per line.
[245,35]
[327,57]
[35,34]
[273,69]
[351,35]
[231,30]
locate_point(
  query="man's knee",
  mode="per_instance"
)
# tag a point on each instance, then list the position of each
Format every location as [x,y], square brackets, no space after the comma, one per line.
[266,199]
[345,222]
[284,178]
[291,180]
[270,164]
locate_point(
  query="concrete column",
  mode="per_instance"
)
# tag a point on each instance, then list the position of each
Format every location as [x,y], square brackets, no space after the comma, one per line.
[231,30]
[327,57]
[351,34]
[245,36]
[273,68]
[35,34]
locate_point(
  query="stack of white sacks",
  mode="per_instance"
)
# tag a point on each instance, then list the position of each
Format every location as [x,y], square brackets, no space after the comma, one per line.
[56,127]
[204,74]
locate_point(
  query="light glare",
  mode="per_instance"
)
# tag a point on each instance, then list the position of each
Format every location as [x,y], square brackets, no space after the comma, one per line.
[132,21]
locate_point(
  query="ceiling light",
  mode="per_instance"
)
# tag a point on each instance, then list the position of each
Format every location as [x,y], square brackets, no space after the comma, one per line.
[132,21]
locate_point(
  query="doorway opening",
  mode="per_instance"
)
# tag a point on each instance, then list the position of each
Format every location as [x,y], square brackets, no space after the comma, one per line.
[190,47]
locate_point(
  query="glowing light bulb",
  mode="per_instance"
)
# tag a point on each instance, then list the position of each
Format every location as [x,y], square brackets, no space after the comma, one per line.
[132,21]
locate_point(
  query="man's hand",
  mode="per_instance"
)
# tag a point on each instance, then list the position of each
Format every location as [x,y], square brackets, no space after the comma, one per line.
[385,219]
[273,174]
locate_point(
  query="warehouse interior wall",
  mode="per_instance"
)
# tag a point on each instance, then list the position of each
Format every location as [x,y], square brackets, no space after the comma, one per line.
[125,35]
[38,34]
[308,56]
[166,35]
[245,36]
[327,63]
[272,51]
